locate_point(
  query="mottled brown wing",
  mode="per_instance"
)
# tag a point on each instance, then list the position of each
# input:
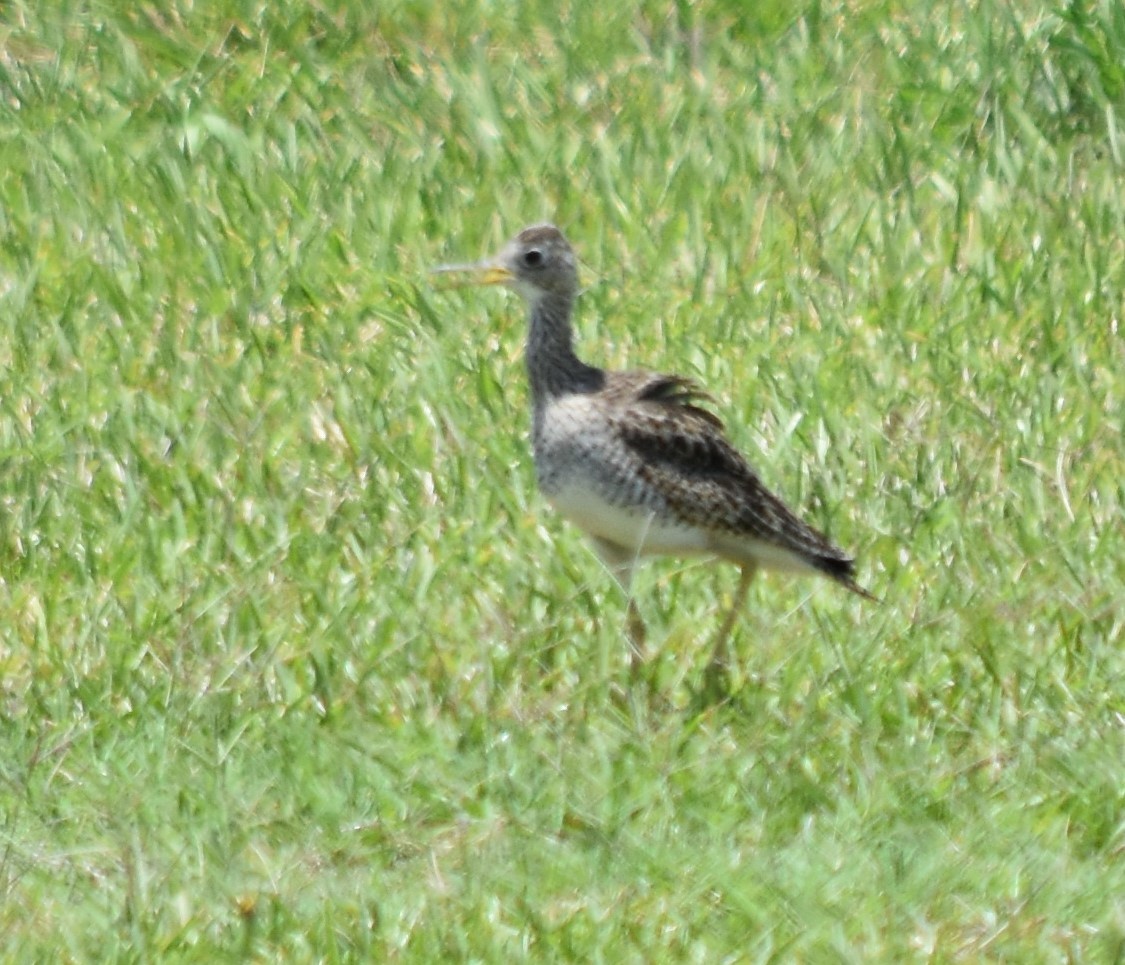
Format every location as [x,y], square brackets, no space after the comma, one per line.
[684,453]
[680,393]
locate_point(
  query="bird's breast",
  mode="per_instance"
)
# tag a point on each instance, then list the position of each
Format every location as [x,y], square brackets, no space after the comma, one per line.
[637,527]
[594,480]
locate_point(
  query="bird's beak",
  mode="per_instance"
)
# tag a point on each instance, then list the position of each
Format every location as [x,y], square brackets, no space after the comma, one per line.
[478,273]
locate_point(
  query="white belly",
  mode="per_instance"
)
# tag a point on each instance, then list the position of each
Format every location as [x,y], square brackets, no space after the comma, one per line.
[638,531]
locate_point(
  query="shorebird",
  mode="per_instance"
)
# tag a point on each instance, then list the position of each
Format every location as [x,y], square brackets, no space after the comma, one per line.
[633,458]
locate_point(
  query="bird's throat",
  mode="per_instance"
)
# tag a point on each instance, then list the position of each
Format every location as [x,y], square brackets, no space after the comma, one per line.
[552,366]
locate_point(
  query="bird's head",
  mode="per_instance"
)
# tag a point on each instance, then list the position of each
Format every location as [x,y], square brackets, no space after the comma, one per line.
[537,262]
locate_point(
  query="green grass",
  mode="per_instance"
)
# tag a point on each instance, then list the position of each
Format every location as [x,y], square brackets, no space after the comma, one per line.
[294,662]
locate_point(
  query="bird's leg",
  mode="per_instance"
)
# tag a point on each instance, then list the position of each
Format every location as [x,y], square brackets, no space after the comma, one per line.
[634,623]
[620,563]
[635,627]
[718,663]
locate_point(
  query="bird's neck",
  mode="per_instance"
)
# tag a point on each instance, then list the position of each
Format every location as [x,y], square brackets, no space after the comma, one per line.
[552,366]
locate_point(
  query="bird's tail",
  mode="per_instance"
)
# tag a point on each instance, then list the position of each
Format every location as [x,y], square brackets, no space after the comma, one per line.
[842,570]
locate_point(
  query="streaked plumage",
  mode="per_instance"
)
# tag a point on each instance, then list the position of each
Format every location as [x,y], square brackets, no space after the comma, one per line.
[633,458]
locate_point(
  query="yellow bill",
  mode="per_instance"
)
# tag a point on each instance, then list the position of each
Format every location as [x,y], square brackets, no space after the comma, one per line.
[478,273]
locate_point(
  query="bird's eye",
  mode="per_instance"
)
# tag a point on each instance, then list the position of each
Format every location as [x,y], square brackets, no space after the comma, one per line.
[533,258]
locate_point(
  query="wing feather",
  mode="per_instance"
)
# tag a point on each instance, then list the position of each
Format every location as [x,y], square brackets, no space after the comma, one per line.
[683,452]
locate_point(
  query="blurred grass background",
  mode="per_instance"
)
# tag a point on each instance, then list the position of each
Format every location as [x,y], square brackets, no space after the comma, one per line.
[294,663]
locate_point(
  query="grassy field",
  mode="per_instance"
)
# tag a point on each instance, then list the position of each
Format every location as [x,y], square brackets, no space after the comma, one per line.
[294,662]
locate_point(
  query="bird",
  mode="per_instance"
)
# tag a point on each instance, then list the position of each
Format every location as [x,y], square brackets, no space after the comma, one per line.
[637,459]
